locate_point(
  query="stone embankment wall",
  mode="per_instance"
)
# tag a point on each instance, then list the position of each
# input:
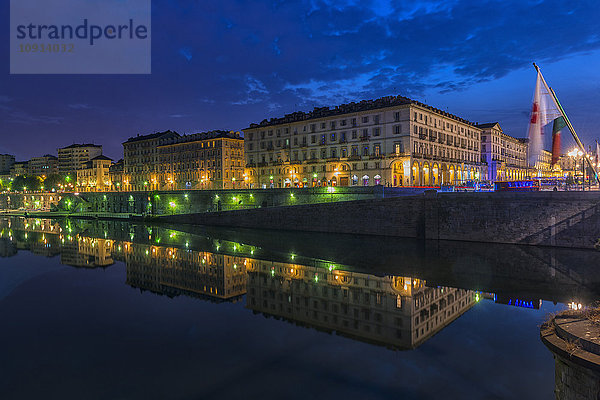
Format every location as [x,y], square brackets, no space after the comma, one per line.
[199,201]
[574,382]
[564,219]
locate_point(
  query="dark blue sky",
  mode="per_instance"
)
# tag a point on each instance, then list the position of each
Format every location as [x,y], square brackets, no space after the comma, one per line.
[226,64]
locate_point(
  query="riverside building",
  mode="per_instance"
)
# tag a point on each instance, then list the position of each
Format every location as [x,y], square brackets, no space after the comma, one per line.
[71,158]
[6,162]
[140,157]
[94,175]
[170,161]
[504,155]
[43,166]
[391,141]
[210,160]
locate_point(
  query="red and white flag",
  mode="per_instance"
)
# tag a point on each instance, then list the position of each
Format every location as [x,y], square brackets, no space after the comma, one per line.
[543,112]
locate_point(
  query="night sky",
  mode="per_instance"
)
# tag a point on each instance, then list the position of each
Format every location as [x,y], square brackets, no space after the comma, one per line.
[226,64]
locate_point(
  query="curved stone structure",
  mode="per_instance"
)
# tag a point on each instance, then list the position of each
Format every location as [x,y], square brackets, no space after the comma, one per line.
[575,343]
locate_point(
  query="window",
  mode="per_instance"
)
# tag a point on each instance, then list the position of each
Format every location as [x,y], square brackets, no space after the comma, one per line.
[397,148]
[333,137]
[376,119]
[377,150]
[313,139]
[397,129]
[354,135]
[365,119]
[365,151]
[376,131]
[397,116]
[344,152]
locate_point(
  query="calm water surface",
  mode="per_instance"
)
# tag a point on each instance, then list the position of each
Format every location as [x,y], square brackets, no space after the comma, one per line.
[106,310]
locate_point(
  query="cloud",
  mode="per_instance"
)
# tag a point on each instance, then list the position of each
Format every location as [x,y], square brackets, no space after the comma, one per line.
[79,106]
[22,117]
[255,91]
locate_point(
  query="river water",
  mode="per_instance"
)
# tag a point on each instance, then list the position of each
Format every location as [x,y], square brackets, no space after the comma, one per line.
[109,310]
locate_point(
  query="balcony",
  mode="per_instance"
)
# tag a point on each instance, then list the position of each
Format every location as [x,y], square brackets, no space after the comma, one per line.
[422,136]
[343,141]
[364,138]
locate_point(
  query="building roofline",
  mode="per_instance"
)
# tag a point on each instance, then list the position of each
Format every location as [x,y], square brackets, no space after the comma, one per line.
[351,108]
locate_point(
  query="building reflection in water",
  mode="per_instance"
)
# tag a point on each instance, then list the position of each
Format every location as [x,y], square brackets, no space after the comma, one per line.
[398,312]
[173,271]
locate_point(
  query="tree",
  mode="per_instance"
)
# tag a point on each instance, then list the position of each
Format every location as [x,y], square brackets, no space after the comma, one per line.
[54,181]
[26,182]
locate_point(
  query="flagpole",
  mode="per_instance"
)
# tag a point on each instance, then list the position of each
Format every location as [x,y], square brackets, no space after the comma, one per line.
[567,121]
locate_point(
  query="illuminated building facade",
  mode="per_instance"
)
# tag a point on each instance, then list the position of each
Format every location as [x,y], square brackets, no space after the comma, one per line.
[391,141]
[94,175]
[504,155]
[210,160]
[140,157]
[43,166]
[116,173]
[71,158]
[397,312]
